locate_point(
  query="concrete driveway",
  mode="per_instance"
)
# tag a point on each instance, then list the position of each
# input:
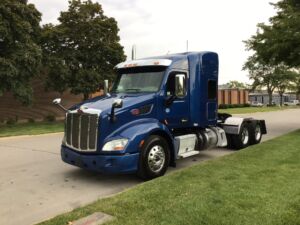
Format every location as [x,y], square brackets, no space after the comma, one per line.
[36,185]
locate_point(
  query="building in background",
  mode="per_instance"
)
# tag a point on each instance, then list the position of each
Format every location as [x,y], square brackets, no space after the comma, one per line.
[233,96]
[263,97]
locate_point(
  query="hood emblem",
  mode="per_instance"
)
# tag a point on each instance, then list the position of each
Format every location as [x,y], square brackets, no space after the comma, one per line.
[81,109]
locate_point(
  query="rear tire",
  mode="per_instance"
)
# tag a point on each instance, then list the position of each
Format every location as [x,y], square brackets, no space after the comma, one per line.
[241,140]
[255,133]
[154,158]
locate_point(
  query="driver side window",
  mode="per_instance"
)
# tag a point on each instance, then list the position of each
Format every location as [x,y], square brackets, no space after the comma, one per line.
[176,85]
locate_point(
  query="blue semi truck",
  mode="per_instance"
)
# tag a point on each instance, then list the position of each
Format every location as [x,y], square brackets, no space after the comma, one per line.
[159,109]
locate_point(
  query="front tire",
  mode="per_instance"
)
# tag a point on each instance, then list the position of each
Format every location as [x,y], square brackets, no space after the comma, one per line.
[154,158]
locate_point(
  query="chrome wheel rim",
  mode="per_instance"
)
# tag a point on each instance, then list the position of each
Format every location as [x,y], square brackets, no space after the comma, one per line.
[156,158]
[257,132]
[245,136]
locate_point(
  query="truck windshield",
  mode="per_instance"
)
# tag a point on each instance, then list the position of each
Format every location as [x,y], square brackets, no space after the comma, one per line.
[135,82]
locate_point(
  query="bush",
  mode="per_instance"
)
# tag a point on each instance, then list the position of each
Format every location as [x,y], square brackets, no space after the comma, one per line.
[50,118]
[223,106]
[31,120]
[229,106]
[10,121]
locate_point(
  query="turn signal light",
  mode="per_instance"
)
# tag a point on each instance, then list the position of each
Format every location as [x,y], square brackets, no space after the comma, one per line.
[135,112]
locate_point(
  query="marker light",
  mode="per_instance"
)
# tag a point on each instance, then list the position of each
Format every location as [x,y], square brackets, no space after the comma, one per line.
[135,112]
[115,145]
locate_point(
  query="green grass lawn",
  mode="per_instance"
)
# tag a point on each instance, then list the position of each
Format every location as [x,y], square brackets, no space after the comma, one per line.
[31,128]
[255,109]
[259,185]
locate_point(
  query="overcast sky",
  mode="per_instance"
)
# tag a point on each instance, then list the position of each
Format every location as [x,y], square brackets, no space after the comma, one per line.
[157,27]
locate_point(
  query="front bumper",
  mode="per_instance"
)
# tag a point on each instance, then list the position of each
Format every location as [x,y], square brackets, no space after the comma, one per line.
[101,163]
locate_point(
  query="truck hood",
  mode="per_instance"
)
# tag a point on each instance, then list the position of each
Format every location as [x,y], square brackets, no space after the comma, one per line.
[103,103]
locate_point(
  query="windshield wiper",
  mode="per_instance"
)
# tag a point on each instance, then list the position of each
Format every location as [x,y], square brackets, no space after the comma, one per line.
[133,89]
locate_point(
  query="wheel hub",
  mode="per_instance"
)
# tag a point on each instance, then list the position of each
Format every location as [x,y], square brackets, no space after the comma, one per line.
[245,136]
[257,132]
[156,158]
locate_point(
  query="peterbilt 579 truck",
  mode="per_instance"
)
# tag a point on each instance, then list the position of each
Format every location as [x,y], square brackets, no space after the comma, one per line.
[159,109]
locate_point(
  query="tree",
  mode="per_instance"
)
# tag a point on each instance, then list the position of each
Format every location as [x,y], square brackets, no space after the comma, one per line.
[263,75]
[279,42]
[237,84]
[276,48]
[296,82]
[20,53]
[82,50]
[285,79]
[55,68]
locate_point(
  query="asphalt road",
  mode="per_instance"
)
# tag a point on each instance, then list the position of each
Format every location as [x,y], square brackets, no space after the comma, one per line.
[36,185]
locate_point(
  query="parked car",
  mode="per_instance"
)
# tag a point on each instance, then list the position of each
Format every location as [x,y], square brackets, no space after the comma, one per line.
[256,104]
[293,102]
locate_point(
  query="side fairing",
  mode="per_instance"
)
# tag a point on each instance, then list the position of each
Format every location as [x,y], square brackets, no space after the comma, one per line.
[203,69]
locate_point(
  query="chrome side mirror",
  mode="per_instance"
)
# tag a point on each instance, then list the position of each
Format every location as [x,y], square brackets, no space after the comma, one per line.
[118,103]
[57,102]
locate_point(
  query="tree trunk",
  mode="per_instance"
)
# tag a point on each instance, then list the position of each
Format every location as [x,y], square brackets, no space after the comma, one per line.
[281,98]
[86,96]
[270,93]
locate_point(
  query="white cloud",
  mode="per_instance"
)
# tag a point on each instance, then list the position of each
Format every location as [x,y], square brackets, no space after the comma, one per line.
[157,27]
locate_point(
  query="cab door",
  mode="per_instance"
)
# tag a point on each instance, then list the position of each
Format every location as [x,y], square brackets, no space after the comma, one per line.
[176,105]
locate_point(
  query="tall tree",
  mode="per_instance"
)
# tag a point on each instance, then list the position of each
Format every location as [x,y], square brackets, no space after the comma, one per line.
[20,53]
[263,75]
[296,83]
[82,50]
[236,84]
[279,42]
[285,79]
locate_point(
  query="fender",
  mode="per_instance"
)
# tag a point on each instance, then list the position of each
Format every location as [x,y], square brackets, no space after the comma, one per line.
[139,130]
[232,125]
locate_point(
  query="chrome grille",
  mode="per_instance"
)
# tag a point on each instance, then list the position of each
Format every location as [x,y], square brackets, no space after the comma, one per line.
[81,131]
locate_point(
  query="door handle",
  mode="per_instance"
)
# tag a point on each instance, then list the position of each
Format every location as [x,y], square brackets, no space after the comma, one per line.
[184,120]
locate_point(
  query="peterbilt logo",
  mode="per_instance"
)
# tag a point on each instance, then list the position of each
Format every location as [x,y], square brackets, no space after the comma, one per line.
[81,109]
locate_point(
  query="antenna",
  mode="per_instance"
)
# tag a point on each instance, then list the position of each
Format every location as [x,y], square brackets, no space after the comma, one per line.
[187,45]
[133,52]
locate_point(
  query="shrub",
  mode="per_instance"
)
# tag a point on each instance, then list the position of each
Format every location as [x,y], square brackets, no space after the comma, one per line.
[223,106]
[229,106]
[10,121]
[31,120]
[50,118]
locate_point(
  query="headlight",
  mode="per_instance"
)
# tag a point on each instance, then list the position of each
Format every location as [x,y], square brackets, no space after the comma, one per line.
[115,145]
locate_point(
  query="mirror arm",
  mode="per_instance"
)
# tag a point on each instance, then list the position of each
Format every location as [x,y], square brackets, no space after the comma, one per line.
[112,114]
[63,108]
[57,102]
[170,100]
